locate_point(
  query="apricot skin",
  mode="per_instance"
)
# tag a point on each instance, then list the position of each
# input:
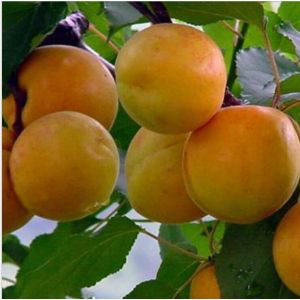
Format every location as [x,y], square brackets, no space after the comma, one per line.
[205,285]
[244,164]
[14,214]
[153,169]
[171,78]
[64,166]
[286,249]
[64,78]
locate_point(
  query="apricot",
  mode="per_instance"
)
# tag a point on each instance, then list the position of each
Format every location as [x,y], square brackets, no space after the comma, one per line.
[244,164]
[153,169]
[64,166]
[286,249]
[171,78]
[205,285]
[8,139]
[14,215]
[64,78]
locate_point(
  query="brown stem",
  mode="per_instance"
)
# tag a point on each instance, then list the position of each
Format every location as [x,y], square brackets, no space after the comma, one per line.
[103,37]
[20,98]
[230,28]
[161,12]
[189,280]
[145,11]
[276,97]
[211,238]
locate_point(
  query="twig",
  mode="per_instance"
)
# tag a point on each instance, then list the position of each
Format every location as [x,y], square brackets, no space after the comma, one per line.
[161,12]
[174,247]
[238,47]
[277,92]
[145,11]
[98,225]
[188,281]
[8,280]
[204,228]
[211,238]
[230,28]
[103,37]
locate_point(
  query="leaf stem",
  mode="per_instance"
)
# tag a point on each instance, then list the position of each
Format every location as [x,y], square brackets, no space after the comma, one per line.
[204,228]
[92,28]
[174,247]
[230,28]
[8,280]
[188,281]
[277,92]
[238,47]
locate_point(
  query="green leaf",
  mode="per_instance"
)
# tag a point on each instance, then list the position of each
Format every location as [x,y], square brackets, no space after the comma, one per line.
[9,292]
[12,247]
[173,234]
[120,14]
[223,37]
[152,289]
[254,36]
[196,235]
[124,129]
[255,74]
[175,270]
[59,265]
[291,85]
[287,30]
[290,11]
[245,266]
[293,109]
[201,13]
[22,22]
[93,11]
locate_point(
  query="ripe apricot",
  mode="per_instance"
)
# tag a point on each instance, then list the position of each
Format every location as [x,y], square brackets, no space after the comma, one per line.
[8,139]
[153,169]
[60,78]
[286,249]
[64,166]
[171,78]
[244,164]
[205,285]
[14,215]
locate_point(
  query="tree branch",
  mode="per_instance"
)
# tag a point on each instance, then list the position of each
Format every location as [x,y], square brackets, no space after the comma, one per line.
[161,12]
[145,11]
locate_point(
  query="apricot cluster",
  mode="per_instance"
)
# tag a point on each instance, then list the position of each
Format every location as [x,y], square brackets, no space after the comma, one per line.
[191,157]
[64,164]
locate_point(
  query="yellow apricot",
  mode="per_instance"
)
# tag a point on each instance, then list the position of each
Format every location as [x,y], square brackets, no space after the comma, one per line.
[205,285]
[244,164]
[171,78]
[8,139]
[64,78]
[286,249]
[64,166]
[153,169]
[14,215]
